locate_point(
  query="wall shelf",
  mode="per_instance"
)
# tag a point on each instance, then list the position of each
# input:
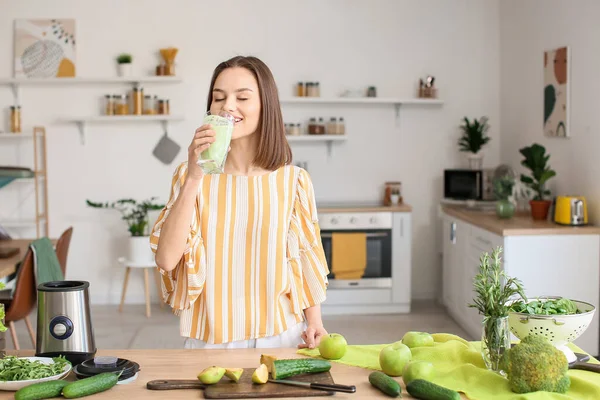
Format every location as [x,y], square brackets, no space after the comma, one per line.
[16,83]
[82,121]
[394,101]
[329,139]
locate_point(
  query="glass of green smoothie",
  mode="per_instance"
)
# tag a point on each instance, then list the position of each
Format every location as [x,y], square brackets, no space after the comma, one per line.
[212,160]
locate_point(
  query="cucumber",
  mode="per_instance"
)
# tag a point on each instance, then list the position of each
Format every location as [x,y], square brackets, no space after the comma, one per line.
[425,390]
[41,390]
[384,383]
[285,368]
[93,384]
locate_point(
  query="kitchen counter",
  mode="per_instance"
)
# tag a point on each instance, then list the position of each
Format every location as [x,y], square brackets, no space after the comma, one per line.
[186,364]
[350,207]
[518,225]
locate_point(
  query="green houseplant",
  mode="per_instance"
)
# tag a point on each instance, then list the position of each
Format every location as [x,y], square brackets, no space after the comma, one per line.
[124,61]
[494,289]
[473,139]
[536,160]
[135,214]
[503,189]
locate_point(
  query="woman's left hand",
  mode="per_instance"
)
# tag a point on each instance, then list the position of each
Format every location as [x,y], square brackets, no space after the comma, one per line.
[312,336]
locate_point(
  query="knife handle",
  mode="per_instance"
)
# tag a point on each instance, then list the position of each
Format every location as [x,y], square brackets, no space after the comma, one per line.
[172,384]
[334,386]
[586,366]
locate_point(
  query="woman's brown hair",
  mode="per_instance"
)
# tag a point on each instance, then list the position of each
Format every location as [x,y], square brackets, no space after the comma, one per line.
[273,149]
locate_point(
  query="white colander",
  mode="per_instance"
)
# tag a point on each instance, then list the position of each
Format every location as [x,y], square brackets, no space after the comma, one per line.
[558,329]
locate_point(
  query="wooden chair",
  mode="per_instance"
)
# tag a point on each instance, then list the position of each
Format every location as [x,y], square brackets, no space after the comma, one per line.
[23,300]
[62,249]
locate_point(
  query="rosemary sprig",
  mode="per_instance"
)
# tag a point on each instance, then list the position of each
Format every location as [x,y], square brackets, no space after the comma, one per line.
[494,289]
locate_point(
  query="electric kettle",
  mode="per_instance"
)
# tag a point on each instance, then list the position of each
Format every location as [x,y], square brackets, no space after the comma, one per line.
[64,323]
[570,210]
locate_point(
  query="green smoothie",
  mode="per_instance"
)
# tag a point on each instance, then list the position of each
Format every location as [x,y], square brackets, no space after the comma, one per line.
[212,160]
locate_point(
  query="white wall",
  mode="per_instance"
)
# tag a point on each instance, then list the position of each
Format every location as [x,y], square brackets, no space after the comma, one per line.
[528,28]
[341,44]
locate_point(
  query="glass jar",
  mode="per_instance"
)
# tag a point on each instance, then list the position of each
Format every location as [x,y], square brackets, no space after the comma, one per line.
[294,129]
[495,342]
[321,127]
[109,105]
[121,105]
[312,126]
[341,126]
[332,126]
[163,106]
[15,119]
[149,105]
[300,89]
[138,97]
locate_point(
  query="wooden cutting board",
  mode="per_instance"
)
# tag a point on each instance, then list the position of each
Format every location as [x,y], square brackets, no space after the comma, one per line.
[245,389]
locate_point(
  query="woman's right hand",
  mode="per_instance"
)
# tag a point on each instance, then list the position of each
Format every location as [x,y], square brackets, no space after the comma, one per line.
[203,137]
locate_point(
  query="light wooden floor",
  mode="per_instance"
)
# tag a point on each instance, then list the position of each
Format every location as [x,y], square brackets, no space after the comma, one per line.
[132,330]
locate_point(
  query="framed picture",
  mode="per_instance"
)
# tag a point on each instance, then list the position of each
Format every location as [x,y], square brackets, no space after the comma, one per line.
[556,92]
[44,48]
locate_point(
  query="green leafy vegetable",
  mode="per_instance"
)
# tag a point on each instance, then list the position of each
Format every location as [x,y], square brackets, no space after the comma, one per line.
[2,315]
[560,306]
[21,369]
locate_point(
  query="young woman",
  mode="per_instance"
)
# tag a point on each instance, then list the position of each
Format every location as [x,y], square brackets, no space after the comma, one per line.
[240,253]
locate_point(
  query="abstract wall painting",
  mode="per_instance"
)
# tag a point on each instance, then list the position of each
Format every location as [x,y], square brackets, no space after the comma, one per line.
[556,92]
[44,48]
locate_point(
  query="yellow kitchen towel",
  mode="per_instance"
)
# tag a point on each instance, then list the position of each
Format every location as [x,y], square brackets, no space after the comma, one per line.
[349,255]
[459,366]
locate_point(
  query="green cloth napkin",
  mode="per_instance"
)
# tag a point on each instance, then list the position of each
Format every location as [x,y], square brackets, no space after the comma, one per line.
[459,366]
[46,264]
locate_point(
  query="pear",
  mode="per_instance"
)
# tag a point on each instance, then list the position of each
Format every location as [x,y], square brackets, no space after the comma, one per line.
[261,374]
[234,373]
[211,375]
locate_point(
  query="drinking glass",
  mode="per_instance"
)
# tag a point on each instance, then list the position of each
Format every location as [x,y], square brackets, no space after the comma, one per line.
[212,160]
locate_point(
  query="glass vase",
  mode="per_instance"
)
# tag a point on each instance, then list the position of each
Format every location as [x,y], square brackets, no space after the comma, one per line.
[495,341]
[505,208]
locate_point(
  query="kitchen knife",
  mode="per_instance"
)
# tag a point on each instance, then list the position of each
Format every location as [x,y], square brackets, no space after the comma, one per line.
[320,386]
[581,363]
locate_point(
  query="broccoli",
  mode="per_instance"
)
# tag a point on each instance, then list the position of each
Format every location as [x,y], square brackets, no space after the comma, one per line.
[535,364]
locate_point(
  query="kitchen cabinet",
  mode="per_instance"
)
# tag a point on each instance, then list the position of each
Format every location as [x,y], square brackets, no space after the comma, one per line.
[549,259]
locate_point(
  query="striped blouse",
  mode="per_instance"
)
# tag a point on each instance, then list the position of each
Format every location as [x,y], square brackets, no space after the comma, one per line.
[253,260]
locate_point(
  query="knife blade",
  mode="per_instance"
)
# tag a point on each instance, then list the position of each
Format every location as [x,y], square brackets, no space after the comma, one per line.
[319,386]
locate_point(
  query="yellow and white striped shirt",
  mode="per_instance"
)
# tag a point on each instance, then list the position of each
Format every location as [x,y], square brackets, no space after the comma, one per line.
[253,260]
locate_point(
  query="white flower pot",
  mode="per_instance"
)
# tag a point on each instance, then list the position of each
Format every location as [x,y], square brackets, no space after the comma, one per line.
[475,160]
[124,69]
[139,250]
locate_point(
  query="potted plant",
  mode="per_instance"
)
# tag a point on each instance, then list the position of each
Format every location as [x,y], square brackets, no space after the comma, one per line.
[503,190]
[494,289]
[473,139]
[124,64]
[136,215]
[536,160]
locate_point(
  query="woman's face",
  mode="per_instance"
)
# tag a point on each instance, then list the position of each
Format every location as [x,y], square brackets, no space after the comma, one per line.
[236,92]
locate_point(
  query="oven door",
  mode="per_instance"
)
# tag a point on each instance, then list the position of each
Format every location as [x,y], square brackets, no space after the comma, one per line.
[378,272]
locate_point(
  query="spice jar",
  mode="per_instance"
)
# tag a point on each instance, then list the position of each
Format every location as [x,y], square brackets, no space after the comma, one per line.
[160,70]
[371,91]
[121,105]
[138,97]
[321,127]
[312,126]
[392,193]
[300,89]
[341,126]
[317,90]
[15,119]
[109,105]
[294,129]
[163,106]
[149,105]
[331,126]
[311,89]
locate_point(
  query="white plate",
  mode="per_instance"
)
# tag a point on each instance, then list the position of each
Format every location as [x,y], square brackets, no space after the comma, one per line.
[16,385]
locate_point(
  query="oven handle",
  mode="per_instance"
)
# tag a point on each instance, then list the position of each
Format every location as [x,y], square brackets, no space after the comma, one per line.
[369,235]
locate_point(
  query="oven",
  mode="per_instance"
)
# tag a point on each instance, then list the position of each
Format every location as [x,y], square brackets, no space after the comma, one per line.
[377,228]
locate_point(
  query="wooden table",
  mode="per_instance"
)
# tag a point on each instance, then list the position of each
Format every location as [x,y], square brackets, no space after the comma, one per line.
[186,364]
[7,265]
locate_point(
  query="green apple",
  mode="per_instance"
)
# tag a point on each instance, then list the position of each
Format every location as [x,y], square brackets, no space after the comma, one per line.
[393,358]
[417,339]
[417,370]
[333,346]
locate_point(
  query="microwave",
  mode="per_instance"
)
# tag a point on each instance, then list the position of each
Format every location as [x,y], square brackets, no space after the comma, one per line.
[468,184]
